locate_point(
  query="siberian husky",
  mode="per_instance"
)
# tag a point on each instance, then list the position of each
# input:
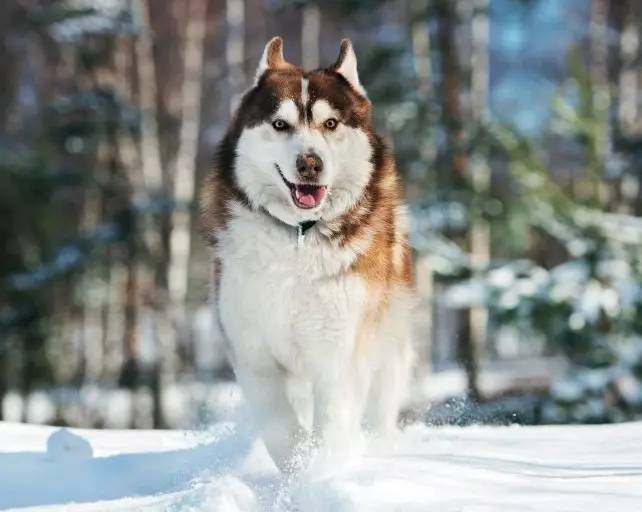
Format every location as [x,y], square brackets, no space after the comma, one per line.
[313,273]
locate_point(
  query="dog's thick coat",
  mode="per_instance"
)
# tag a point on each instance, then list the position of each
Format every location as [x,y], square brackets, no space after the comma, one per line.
[312,269]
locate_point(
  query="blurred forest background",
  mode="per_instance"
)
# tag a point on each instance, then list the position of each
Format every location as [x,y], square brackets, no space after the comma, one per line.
[517,125]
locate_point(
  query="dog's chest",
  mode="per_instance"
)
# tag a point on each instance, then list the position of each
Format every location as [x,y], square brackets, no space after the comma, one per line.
[296,301]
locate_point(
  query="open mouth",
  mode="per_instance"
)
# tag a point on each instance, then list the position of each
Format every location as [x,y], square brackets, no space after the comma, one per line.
[305,195]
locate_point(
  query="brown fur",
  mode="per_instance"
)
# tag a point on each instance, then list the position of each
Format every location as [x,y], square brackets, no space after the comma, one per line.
[368,241]
[372,222]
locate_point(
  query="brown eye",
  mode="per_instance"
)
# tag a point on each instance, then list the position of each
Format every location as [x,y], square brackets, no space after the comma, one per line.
[280,125]
[331,124]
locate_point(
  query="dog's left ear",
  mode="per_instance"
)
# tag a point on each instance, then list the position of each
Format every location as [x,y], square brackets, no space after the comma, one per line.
[346,65]
[272,58]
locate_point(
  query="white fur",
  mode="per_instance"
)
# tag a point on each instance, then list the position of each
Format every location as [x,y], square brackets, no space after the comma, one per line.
[322,111]
[402,223]
[348,69]
[345,152]
[291,314]
[264,63]
[305,95]
[288,112]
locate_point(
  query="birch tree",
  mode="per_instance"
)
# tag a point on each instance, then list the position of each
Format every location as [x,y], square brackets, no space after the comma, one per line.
[310,33]
[185,168]
[235,49]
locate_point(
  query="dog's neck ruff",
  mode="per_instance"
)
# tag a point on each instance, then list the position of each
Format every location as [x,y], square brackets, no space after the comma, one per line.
[301,228]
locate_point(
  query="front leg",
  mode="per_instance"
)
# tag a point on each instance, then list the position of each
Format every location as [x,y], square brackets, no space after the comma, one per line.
[338,406]
[280,428]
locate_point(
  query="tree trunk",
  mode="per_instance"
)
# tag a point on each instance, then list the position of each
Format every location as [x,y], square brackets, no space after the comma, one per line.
[628,84]
[480,170]
[147,91]
[235,49]
[456,158]
[451,89]
[154,299]
[185,169]
[3,379]
[421,45]
[310,32]
[130,372]
[601,149]
[419,36]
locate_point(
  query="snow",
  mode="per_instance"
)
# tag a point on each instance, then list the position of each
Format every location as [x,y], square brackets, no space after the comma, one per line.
[226,468]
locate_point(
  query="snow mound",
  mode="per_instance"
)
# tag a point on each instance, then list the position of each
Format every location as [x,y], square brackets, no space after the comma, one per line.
[227,469]
[66,444]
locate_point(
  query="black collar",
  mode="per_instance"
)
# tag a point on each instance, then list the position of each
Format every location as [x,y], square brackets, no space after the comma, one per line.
[302,227]
[306,225]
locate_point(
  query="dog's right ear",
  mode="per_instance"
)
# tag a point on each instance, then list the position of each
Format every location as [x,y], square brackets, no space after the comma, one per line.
[272,58]
[346,65]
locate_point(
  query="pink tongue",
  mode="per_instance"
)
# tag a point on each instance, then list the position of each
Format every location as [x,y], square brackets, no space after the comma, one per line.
[310,199]
[307,199]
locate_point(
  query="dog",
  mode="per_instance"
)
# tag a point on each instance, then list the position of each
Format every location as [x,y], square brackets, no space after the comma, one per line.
[313,274]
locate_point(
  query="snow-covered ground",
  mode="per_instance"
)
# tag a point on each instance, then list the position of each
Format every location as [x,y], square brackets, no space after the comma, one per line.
[226,469]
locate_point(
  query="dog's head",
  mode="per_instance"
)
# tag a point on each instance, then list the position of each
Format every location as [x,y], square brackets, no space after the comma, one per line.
[302,140]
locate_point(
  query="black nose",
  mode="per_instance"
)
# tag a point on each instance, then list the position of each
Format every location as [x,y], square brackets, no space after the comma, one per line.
[309,166]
